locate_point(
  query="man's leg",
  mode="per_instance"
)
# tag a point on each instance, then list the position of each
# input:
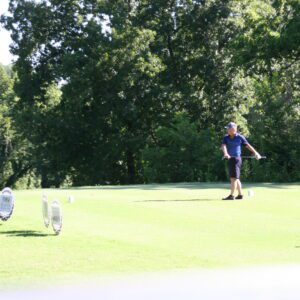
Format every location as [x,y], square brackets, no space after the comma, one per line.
[238,183]
[232,187]
[233,184]
[239,186]
[232,174]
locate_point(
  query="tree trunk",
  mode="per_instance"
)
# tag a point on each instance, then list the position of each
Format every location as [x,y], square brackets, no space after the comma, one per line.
[16,176]
[44,182]
[130,167]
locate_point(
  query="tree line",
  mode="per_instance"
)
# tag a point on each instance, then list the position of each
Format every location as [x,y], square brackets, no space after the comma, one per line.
[139,91]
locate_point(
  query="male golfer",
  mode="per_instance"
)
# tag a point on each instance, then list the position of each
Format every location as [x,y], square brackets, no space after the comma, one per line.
[231,147]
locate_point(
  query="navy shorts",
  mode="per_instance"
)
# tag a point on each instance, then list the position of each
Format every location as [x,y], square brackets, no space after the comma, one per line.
[234,167]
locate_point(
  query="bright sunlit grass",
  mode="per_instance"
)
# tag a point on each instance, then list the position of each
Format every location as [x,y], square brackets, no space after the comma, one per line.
[113,230]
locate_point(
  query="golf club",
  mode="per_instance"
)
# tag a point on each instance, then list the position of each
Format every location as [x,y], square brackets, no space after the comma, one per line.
[250,156]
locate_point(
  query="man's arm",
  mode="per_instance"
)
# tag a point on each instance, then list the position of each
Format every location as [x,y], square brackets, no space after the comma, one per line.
[224,149]
[256,154]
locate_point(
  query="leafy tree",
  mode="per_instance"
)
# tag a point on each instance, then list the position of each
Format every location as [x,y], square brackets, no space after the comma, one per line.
[192,40]
[109,85]
[267,48]
[14,157]
[105,89]
[180,152]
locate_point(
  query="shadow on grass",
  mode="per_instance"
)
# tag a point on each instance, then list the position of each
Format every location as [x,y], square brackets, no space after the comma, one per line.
[183,185]
[26,233]
[177,200]
[162,186]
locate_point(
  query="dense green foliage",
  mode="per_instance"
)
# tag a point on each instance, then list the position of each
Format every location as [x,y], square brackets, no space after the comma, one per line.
[139,91]
[181,153]
[14,149]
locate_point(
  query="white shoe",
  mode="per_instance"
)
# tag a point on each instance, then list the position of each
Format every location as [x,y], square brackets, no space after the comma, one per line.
[7,203]
[56,216]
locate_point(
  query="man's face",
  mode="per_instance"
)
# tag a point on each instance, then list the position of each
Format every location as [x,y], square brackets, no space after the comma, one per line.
[232,131]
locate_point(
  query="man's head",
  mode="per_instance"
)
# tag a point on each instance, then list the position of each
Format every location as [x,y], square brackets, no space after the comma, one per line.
[231,128]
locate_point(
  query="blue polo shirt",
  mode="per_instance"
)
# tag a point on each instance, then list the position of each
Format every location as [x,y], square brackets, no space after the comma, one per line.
[234,145]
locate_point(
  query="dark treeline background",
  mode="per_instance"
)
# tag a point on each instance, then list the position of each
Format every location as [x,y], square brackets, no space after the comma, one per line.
[139,91]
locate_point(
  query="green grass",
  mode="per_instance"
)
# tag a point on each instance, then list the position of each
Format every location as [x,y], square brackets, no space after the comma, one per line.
[115,230]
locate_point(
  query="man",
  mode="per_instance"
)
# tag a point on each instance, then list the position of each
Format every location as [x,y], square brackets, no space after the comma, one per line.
[231,147]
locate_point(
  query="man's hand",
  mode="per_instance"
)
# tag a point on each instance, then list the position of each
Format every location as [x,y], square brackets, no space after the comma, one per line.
[227,156]
[257,155]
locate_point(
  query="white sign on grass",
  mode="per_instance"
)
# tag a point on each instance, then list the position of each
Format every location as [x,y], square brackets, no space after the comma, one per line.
[56,216]
[46,210]
[6,204]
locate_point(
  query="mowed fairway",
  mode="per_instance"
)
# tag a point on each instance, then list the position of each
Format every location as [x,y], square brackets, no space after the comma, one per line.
[132,229]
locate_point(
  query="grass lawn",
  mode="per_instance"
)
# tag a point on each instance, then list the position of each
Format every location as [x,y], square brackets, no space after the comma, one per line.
[115,230]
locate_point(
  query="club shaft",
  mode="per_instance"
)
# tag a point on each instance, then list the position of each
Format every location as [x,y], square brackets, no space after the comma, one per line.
[252,157]
[262,157]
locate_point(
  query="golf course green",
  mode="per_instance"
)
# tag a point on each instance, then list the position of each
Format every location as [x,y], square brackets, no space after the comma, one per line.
[111,230]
